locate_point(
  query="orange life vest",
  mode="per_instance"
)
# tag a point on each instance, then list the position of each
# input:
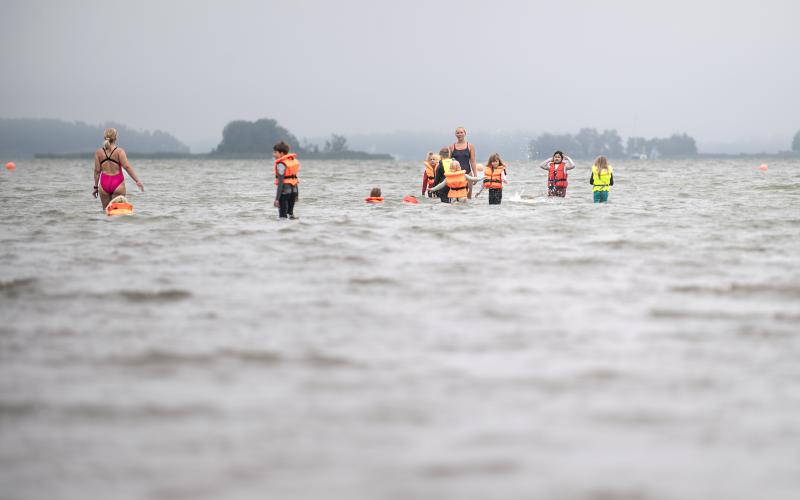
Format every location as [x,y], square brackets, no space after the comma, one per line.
[457,182]
[557,176]
[493,177]
[373,199]
[292,166]
[430,173]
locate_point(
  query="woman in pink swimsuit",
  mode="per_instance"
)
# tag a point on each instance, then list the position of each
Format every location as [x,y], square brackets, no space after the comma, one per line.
[108,164]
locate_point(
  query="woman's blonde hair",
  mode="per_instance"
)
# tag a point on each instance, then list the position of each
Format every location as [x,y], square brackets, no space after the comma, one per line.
[601,163]
[110,136]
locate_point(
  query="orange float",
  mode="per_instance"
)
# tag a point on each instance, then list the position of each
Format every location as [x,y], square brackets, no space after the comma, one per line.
[119,209]
[10,166]
[410,199]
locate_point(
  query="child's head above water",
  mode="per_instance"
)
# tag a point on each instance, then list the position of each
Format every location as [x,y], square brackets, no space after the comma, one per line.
[375,193]
[495,160]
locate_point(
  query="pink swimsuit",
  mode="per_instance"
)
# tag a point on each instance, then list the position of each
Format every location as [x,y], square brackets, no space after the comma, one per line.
[110,183]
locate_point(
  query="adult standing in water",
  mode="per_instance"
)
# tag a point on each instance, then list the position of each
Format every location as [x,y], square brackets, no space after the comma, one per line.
[109,181]
[557,167]
[464,153]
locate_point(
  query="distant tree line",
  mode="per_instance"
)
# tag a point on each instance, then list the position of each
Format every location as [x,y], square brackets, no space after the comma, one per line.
[258,137]
[588,143]
[247,138]
[26,137]
[796,142]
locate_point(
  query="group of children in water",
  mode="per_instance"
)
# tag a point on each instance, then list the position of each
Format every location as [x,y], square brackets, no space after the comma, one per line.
[449,175]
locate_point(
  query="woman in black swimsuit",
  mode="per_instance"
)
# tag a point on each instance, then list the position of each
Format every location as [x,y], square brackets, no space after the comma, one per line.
[464,153]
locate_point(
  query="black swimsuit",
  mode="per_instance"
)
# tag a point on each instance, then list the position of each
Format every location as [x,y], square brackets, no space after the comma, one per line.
[109,158]
[462,156]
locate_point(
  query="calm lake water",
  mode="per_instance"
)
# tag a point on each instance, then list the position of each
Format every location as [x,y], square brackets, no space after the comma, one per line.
[648,348]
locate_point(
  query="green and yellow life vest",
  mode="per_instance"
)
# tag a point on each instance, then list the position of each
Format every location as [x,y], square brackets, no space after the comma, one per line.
[601,182]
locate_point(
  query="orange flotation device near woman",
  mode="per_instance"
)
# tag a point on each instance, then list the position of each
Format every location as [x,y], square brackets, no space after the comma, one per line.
[119,208]
[457,182]
[493,177]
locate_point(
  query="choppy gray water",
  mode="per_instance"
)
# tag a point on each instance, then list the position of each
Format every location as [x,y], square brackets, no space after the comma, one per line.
[644,349]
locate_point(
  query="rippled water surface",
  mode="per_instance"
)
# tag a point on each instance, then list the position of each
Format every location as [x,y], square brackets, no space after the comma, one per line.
[546,348]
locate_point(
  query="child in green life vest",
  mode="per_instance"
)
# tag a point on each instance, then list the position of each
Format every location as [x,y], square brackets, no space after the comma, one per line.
[602,178]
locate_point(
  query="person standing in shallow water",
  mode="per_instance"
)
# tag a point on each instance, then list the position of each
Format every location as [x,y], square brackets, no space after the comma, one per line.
[464,153]
[601,179]
[557,173]
[286,168]
[109,181]
[456,181]
[494,176]
[444,167]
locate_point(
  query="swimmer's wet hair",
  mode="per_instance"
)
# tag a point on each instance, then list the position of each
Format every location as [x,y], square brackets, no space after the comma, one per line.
[281,147]
[375,193]
[109,138]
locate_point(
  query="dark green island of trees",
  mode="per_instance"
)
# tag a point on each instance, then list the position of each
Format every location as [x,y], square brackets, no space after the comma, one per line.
[244,139]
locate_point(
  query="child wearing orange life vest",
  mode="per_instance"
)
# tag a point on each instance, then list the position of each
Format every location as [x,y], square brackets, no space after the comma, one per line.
[374,196]
[557,173]
[286,168]
[457,182]
[429,175]
[494,176]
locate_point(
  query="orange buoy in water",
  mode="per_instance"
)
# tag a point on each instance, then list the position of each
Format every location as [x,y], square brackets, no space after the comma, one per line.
[410,199]
[119,209]
[374,199]
[763,167]
[10,166]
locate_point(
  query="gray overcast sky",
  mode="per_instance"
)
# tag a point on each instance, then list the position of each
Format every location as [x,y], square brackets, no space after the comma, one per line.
[718,70]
